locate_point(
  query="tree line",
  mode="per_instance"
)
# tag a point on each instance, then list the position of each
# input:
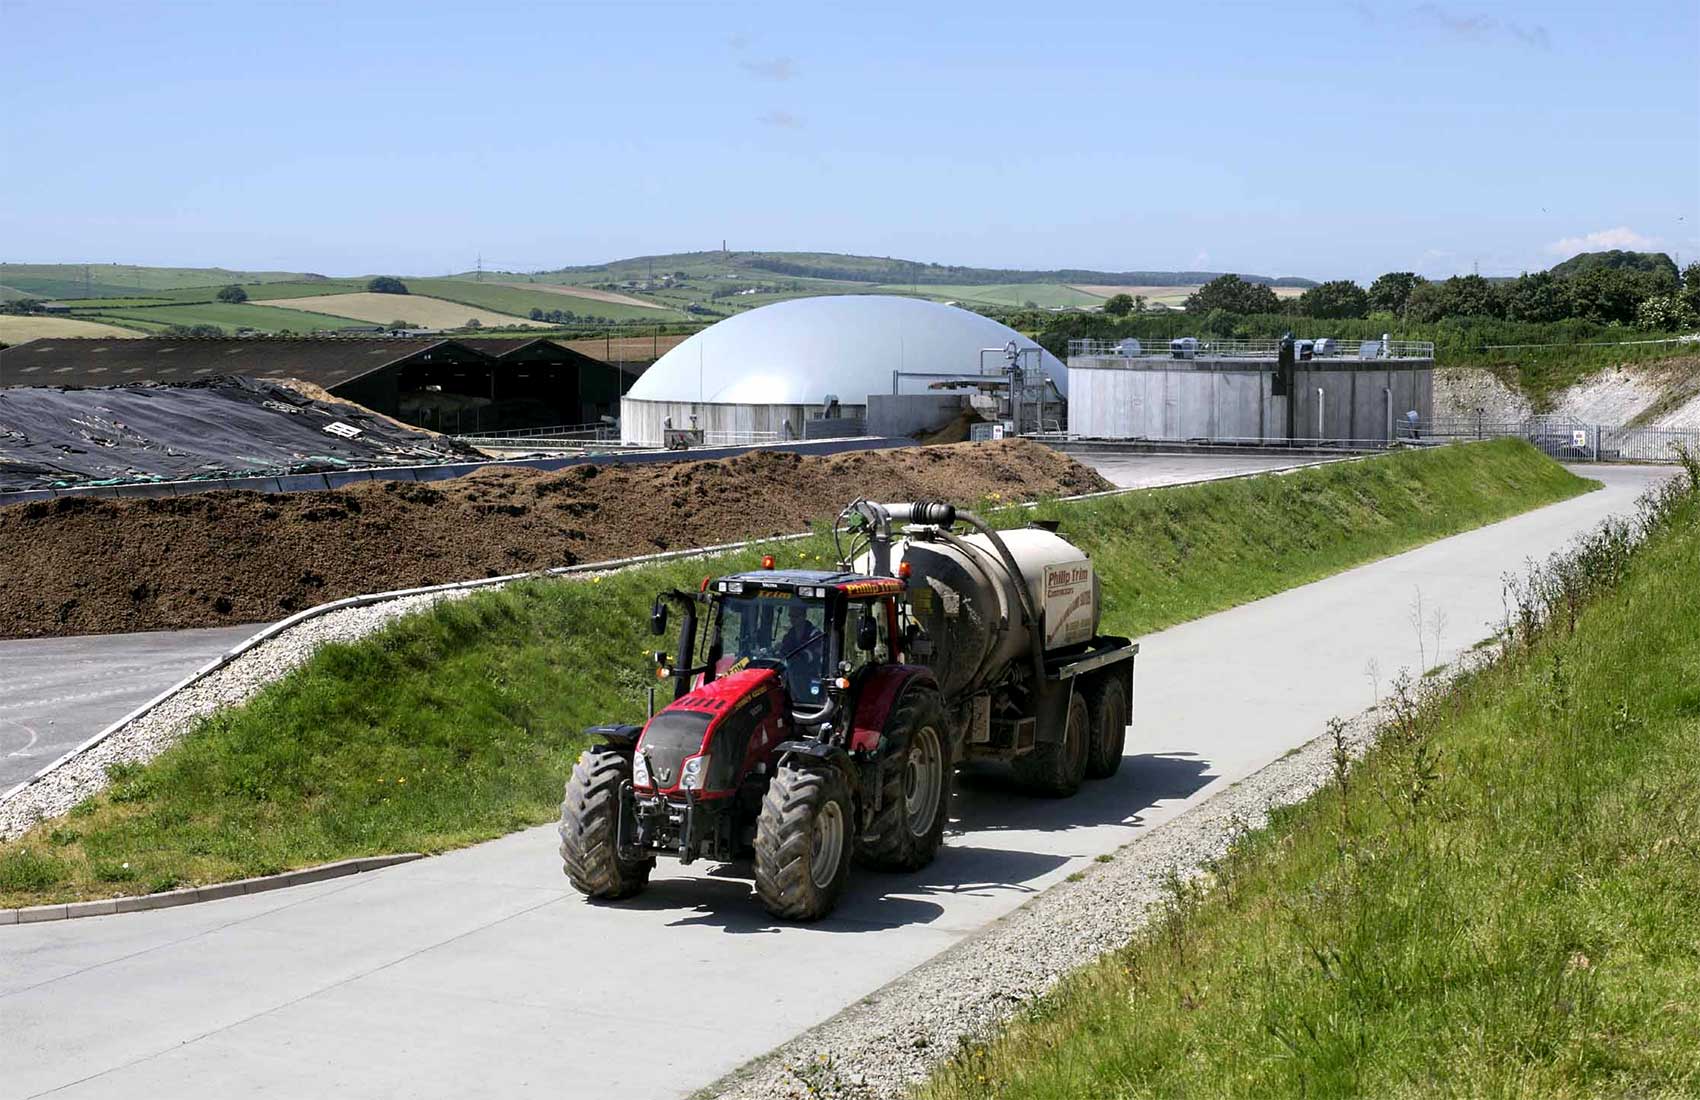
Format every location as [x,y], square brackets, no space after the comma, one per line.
[1653,296]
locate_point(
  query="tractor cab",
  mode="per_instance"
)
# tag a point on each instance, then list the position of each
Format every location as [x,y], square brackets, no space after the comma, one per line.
[816,629]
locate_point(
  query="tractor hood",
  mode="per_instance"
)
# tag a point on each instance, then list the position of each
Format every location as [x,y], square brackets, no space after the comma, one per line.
[701,742]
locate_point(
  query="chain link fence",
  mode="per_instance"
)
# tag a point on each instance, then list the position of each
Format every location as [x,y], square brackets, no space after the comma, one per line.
[1563,438]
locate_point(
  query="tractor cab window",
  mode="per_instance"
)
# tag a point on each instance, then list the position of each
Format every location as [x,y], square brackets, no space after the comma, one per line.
[854,654]
[779,630]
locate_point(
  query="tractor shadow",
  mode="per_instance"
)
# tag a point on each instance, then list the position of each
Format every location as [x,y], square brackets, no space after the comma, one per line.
[987,801]
[988,798]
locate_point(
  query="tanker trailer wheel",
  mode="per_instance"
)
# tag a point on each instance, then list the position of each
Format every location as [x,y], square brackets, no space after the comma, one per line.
[1057,768]
[915,781]
[804,838]
[590,820]
[1106,703]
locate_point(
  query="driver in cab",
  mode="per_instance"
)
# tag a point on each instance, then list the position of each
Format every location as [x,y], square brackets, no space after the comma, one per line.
[801,648]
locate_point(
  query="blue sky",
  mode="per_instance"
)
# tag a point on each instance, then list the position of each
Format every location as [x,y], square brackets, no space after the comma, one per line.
[1320,139]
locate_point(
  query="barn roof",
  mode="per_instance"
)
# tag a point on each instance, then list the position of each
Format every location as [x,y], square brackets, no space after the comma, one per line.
[325,361]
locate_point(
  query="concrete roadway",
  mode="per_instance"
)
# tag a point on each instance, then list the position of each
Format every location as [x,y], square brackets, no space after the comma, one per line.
[480,973]
[1141,470]
[56,693]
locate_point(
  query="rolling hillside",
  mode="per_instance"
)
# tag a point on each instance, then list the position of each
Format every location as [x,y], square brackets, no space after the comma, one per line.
[644,291]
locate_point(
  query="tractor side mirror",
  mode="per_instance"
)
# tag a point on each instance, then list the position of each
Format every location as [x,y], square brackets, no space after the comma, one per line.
[867,633]
[658,619]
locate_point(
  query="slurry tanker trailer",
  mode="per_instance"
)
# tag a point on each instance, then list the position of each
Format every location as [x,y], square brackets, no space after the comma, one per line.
[818,716]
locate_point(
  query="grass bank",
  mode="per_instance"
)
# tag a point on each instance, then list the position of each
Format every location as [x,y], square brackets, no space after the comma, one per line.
[461,724]
[1501,899]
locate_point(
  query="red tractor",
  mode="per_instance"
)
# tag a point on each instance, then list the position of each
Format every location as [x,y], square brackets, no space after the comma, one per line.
[818,716]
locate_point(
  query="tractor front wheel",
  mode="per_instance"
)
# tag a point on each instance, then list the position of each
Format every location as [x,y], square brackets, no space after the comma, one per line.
[1057,768]
[915,774]
[803,841]
[590,823]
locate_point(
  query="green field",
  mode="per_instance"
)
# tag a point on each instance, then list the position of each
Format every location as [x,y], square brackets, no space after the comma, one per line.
[227,316]
[1502,899]
[459,724]
[520,302]
[123,280]
[1042,295]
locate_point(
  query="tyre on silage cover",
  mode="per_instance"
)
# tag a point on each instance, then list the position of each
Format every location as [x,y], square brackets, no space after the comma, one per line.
[803,841]
[1106,706]
[1056,769]
[915,777]
[590,819]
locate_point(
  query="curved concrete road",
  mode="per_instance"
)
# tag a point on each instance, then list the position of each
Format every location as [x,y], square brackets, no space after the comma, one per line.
[59,692]
[480,972]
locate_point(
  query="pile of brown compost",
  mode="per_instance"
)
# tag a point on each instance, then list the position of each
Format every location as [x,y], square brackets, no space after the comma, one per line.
[85,565]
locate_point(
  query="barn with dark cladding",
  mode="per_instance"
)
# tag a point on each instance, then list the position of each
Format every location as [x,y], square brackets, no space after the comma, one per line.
[447,385]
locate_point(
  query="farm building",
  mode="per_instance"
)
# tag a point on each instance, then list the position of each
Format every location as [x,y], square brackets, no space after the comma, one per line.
[806,367]
[445,385]
[1233,390]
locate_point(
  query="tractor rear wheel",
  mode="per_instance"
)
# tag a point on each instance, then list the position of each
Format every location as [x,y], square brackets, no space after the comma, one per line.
[803,841]
[915,782]
[1106,703]
[590,822]
[1057,768]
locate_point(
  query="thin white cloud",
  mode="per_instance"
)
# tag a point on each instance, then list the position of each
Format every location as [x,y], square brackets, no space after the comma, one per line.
[1201,261]
[772,68]
[785,120]
[1621,237]
[1482,27]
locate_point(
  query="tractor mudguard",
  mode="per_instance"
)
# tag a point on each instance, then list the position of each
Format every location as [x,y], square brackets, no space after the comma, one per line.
[878,695]
[830,754]
[618,735]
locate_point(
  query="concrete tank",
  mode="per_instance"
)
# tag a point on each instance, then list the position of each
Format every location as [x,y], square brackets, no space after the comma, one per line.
[967,605]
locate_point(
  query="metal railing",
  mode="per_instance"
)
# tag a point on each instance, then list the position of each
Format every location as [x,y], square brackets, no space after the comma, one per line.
[1211,348]
[738,439]
[580,432]
[1568,439]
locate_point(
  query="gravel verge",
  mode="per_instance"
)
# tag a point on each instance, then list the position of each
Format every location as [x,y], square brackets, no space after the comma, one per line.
[164,725]
[887,1042]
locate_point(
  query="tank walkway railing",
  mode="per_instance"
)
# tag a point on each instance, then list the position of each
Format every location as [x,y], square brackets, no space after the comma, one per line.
[1211,348]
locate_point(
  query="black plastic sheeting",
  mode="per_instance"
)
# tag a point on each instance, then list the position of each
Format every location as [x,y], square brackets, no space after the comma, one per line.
[222,427]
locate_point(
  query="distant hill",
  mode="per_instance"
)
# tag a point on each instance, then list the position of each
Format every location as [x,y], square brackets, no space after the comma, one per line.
[679,289]
[885,270]
[1616,258]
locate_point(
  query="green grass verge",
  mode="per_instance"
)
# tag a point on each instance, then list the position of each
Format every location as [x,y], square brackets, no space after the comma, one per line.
[460,724]
[1502,899]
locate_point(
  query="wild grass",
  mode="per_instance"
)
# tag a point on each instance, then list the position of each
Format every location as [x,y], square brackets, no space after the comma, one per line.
[1501,899]
[461,724]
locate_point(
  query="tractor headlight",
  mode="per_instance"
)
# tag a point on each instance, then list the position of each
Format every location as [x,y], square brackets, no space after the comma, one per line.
[692,777]
[640,773]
